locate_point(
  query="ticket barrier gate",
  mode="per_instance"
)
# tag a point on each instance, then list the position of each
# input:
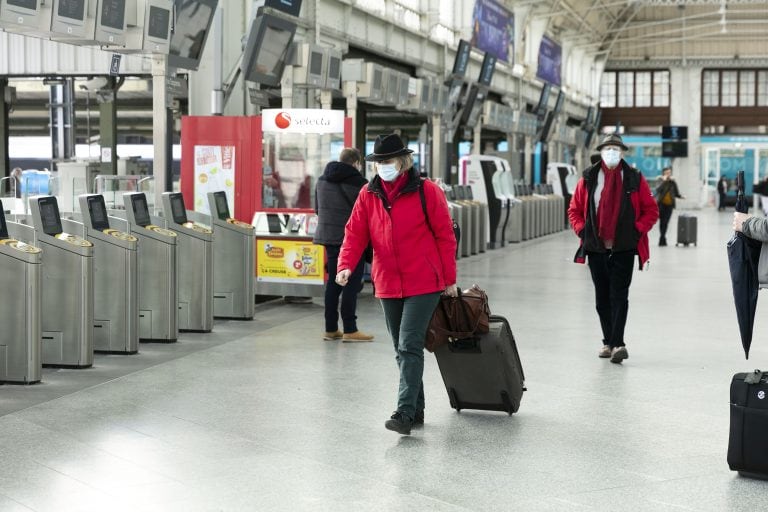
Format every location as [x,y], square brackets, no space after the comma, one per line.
[116,286]
[158,307]
[234,260]
[464,217]
[20,334]
[527,212]
[194,266]
[67,287]
[499,210]
[514,228]
[547,213]
[481,242]
[558,208]
[474,220]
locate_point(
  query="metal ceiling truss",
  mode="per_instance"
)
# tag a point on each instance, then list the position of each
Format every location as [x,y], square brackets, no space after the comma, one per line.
[674,3]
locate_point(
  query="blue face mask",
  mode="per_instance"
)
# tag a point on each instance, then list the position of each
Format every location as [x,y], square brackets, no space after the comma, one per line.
[388,172]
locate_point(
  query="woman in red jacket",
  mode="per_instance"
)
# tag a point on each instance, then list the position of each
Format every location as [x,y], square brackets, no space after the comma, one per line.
[612,210]
[413,262]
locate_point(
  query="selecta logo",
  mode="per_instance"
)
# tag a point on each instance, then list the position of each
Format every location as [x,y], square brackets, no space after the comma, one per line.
[283,120]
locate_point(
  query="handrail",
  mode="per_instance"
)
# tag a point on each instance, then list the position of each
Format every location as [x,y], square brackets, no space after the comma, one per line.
[142,180]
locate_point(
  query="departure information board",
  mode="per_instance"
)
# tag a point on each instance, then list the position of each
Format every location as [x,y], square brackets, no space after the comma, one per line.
[26,4]
[158,22]
[73,9]
[113,14]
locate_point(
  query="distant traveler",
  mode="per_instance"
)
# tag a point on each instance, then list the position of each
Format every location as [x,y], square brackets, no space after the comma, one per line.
[336,192]
[413,262]
[666,193]
[612,211]
[16,175]
[722,190]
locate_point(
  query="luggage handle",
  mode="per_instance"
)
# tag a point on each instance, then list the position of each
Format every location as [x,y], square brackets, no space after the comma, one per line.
[754,377]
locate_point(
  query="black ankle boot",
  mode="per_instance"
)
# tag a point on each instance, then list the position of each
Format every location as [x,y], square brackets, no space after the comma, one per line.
[418,419]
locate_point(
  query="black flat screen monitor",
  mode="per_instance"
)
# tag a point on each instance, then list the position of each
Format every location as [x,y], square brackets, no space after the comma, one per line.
[334,68]
[140,210]
[674,132]
[269,44]
[49,215]
[222,208]
[274,223]
[3,225]
[25,4]
[178,211]
[72,9]
[541,108]
[486,70]
[292,7]
[97,209]
[674,149]
[462,58]
[193,24]
[158,22]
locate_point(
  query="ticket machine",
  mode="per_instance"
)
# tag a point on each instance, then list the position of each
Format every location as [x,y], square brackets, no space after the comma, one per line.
[233,254]
[67,306]
[20,286]
[158,307]
[194,264]
[116,286]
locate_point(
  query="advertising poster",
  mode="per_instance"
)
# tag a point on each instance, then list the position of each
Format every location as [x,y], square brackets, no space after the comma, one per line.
[214,172]
[493,30]
[550,61]
[289,261]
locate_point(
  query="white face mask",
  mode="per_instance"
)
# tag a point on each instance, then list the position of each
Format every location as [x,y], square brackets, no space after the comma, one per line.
[611,157]
[388,172]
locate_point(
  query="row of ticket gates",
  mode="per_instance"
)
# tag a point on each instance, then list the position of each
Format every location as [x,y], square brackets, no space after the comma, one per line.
[527,212]
[104,280]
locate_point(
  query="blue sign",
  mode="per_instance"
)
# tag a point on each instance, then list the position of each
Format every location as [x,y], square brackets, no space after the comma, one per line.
[493,30]
[550,61]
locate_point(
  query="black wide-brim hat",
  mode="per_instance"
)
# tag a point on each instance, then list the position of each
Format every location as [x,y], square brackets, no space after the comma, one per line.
[612,140]
[387,147]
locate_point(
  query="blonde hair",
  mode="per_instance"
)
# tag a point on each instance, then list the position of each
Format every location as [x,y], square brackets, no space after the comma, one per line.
[404,162]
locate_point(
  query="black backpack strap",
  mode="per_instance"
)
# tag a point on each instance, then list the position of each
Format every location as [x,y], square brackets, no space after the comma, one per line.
[424,206]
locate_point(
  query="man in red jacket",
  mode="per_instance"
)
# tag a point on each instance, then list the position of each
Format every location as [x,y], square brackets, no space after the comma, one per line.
[413,262]
[611,211]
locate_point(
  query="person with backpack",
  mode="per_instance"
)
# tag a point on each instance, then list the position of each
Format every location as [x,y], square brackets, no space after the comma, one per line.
[612,210]
[666,193]
[335,194]
[408,223]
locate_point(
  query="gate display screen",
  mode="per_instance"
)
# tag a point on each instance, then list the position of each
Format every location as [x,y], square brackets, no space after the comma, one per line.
[113,14]
[26,4]
[49,214]
[178,212]
[98,211]
[158,22]
[3,227]
[140,210]
[72,9]
[222,208]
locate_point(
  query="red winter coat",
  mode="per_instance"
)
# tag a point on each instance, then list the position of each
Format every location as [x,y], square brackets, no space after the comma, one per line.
[641,215]
[408,259]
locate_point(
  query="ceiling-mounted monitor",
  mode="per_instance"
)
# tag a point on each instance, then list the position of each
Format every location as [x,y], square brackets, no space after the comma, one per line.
[310,64]
[333,77]
[541,107]
[110,22]
[391,86]
[266,52]
[148,27]
[559,103]
[405,90]
[674,132]
[190,32]
[370,87]
[486,70]
[461,61]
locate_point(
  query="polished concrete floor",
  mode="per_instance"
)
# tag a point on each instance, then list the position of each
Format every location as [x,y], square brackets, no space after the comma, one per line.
[264,415]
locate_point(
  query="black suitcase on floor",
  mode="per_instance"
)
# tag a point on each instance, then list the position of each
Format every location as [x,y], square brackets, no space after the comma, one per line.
[748,440]
[483,372]
[686,229]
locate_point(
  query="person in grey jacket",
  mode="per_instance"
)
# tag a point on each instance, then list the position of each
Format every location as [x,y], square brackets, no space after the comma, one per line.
[335,195]
[753,227]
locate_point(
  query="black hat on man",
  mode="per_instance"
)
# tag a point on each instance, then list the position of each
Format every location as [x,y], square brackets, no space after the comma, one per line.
[386,147]
[612,140]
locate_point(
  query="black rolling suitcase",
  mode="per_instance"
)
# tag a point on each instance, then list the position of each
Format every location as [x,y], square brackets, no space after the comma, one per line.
[483,372]
[686,229]
[748,440]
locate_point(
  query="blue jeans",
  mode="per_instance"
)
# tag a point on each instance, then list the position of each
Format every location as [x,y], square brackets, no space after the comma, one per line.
[407,320]
[348,293]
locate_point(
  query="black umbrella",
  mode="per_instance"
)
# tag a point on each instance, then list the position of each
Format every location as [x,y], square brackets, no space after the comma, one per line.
[743,255]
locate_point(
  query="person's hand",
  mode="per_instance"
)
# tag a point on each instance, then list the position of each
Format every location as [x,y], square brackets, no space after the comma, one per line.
[342,278]
[738,220]
[452,291]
